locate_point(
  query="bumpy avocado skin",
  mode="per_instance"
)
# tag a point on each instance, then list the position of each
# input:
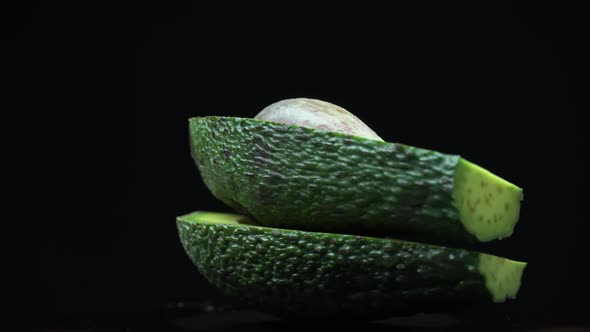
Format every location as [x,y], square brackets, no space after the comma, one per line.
[312,274]
[299,178]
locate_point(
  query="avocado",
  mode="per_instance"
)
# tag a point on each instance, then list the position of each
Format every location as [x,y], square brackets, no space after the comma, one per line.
[314,274]
[290,176]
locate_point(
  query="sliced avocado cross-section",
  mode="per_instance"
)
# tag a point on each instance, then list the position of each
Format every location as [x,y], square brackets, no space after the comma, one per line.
[488,205]
[292,272]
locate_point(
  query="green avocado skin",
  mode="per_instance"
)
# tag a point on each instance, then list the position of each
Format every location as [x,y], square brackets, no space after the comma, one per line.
[311,274]
[299,178]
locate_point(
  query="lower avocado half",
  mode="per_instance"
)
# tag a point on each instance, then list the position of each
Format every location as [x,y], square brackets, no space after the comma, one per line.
[295,273]
[300,178]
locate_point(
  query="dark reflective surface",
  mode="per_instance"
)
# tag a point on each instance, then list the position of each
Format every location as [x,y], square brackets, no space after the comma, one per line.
[206,316]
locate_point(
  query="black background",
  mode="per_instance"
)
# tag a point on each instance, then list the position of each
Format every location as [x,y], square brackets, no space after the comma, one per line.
[102,165]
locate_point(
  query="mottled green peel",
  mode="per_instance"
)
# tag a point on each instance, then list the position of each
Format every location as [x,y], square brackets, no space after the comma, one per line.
[294,177]
[488,205]
[502,276]
[292,272]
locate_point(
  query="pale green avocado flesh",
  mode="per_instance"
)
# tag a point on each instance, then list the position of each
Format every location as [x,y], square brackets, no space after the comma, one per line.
[292,272]
[300,178]
[488,205]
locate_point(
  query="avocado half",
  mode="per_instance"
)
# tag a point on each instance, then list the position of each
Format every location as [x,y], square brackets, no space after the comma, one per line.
[294,177]
[295,273]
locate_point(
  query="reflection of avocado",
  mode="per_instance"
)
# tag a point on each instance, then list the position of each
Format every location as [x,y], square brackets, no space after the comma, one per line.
[300,178]
[321,274]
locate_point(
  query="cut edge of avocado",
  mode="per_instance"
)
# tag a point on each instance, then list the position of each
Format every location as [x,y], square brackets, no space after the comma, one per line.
[502,276]
[488,205]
